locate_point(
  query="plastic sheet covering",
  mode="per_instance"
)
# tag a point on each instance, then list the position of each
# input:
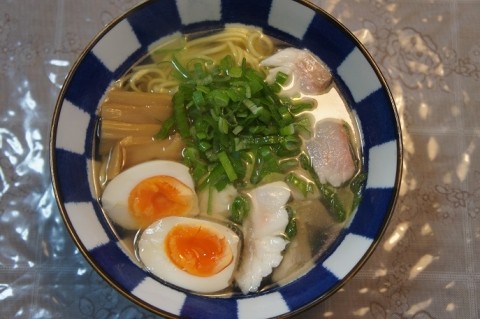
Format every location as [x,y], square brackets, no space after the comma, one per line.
[42,274]
[427,265]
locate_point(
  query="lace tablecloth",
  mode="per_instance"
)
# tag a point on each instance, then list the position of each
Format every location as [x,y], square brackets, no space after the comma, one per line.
[426,266]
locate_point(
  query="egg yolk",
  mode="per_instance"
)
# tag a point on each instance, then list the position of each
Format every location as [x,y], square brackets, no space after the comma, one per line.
[159,196]
[197,250]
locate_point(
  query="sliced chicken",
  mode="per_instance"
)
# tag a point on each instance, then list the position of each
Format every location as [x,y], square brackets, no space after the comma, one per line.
[263,243]
[331,152]
[309,75]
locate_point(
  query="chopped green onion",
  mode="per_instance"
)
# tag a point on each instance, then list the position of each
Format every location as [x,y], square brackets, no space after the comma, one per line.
[281,78]
[288,164]
[239,209]
[290,145]
[224,111]
[227,166]
[285,114]
[180,115]
[198,98]
[236,94]
[303,126]
[291,229]
[215,176]
[180,68]
[266,162]
[226,62]
[255,81]
[219,98]
[251,106]
[202,128]
[167,126]
[222,125]
[203,89]
[204,80]
[204,146]
[287,130]
[191,156]
[329,195]
[248,91]
[304,186]
[299,107]
[235,72]
[356,187]
[237,129]
[275,87]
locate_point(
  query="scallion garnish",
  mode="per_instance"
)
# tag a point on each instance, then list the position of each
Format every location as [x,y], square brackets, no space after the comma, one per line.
[227,113]
[329,194]
[239,209]
[304,186]
[291,229]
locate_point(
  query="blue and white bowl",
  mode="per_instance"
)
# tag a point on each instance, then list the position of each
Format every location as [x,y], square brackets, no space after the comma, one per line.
[125,41]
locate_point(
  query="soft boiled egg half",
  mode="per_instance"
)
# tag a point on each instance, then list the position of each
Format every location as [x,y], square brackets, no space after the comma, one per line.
[144,193]
[190,253]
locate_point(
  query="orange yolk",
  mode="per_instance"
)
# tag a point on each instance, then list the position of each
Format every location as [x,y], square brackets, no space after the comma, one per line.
[197,250]
[159,196]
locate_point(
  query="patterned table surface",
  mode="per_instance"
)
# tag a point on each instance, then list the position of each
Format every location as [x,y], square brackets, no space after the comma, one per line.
[426,266]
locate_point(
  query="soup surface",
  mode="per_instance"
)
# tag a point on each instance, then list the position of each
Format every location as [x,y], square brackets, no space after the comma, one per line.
[228,161]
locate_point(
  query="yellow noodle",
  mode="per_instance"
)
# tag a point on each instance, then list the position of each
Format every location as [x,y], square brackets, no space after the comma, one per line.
[162,86]
[233,37]
[164,50]
[256,42]
[239,42]
[142,73]
[227,33]
[153,68]
[138,80]
[233,51]
[208,50]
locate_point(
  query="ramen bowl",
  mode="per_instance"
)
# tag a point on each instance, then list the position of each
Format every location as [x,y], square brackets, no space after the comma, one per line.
[126,40]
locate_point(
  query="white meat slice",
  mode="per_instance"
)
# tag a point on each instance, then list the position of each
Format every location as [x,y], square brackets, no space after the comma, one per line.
[263,246]
[310,76]
[331,152]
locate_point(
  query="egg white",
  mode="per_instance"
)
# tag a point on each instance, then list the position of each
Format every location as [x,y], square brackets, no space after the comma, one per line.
[151,252]
[115,196]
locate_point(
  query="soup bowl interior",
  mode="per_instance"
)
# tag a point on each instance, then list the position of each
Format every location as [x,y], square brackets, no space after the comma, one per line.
[128,39]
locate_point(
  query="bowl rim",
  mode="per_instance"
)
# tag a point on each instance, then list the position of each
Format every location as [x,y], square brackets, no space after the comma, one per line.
[140,302]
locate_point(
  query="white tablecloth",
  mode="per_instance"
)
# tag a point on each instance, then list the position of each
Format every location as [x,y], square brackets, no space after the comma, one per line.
[426,266]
